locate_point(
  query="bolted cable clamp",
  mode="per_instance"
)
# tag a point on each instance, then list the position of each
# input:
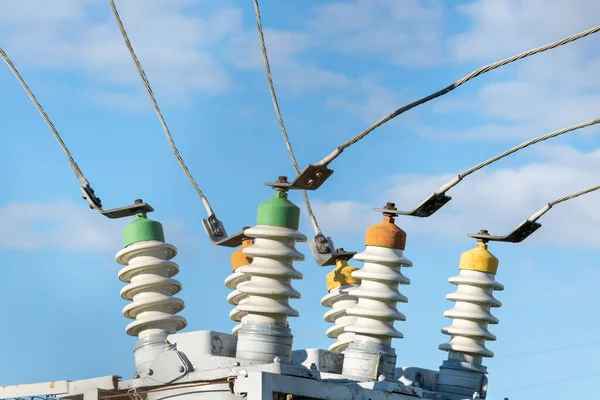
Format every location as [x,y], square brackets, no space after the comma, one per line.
[426,209]
[517,235]
[218,235]
[96,204]
[311,178]
[324,251]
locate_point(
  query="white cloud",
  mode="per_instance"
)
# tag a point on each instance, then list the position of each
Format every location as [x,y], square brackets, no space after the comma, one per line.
[403,33]
[497,200]
[174,45]
[65,226]
[531,97]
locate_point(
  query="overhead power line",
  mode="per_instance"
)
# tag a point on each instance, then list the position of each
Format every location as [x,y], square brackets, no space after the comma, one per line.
[180,160]
[439,198]
[333,155]
[527,227]
[39,107]
[263,47]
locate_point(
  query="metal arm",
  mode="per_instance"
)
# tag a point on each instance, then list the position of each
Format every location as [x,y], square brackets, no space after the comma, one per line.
[527,227]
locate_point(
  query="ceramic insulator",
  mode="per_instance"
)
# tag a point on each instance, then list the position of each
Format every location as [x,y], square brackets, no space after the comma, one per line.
[271,271]
[339,300]
[471,316]
[378,294]
[150,287]
[236,297]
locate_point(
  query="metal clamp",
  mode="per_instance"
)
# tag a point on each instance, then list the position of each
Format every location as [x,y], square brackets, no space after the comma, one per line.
[324,251]
[96,204]
[218,235]
[520,233]
[311,178]
[425,209]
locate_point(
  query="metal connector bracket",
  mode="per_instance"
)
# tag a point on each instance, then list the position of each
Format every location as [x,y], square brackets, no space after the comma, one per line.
[520,233]
[426,209]
[96,204]
[218,235]
[311,178]
[324,251]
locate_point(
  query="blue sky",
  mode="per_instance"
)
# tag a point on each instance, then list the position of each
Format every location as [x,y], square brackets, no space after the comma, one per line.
[338,67]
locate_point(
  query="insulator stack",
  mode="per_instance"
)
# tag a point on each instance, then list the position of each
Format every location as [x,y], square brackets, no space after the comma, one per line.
[371,353]
[148,274]
[238,261]
[265,334]
[339,283]
[463,372]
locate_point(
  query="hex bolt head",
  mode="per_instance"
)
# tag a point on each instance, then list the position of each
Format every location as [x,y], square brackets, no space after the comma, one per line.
[181,368]
[150,372]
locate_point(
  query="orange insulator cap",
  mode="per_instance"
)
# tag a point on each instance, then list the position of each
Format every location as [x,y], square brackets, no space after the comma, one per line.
[341,275]
[386,234]
[238,258]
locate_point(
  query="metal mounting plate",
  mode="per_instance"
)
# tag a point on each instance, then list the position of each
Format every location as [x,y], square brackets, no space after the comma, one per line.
[311,178]
[426,209]
[519,234]
[115,213]
[324,251]
[218,235]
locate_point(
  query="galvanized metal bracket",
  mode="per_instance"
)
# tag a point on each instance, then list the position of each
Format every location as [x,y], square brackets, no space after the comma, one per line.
[324,251]
[311,178]
[96,204]
[426,209]
[520,233]
[218,235]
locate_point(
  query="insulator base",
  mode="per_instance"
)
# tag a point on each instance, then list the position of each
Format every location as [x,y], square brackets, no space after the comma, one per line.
[264,342]
[365,360]
[461,378]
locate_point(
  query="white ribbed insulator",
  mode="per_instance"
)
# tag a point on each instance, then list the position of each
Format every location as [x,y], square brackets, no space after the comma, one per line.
[471,316]
[148,273]
[236,297]
[271,271]
[378,294]
[339,300]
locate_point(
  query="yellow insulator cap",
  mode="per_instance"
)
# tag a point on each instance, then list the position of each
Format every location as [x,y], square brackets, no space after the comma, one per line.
[341,275]
[479,259]
[386,234]
[238,258]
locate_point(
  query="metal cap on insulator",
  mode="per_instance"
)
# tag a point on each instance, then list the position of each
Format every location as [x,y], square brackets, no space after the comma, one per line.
[341,275]
[479,258]
[142,229]
[386,233]
[238,258]
[279,211]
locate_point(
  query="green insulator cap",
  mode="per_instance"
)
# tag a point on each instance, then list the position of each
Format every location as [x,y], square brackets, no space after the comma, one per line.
[142,229]
[278,211]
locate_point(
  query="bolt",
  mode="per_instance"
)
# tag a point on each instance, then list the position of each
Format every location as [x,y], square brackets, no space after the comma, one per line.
[84,197]
[282,179]
[138,201]
[150,372]
[245,227]
[310,182]
[236,364]
[276,360]
[339,250]
[381,378]
[91,206]
[390,206]
[319,174]
[181,368]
